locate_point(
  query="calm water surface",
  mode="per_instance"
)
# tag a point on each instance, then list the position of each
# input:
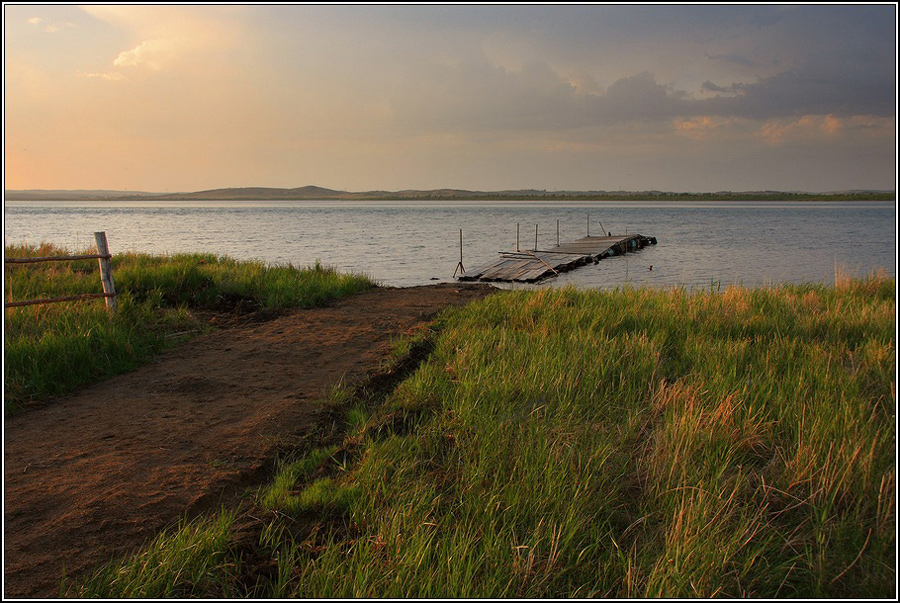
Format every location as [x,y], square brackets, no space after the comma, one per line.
[412,243]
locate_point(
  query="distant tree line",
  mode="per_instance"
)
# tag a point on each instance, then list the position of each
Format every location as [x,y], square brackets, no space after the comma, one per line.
[652,196]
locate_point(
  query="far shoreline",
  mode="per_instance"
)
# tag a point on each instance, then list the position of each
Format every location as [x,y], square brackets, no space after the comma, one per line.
[70,196]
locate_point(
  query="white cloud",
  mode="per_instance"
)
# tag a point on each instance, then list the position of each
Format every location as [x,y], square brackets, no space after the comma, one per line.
[166,34]
[152,54]
[111,76]
[49,28]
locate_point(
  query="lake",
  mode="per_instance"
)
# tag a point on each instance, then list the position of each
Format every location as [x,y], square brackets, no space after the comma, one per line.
[406,243]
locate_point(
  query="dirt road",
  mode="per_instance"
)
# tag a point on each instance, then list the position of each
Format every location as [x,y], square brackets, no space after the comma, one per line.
[94,475]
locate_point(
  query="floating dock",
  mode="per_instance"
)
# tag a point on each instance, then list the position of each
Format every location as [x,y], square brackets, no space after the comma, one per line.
[533,265]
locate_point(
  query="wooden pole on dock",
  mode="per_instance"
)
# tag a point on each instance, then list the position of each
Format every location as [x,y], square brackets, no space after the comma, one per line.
[557,233]
[535,237]
[517,236]
[106,270]
[459,267]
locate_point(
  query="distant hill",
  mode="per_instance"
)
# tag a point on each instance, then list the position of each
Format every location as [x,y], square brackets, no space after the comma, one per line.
[263,194]
[318,192]
[66,195]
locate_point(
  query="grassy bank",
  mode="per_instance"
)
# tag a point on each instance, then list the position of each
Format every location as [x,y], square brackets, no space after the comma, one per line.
[51,349]
[561,443]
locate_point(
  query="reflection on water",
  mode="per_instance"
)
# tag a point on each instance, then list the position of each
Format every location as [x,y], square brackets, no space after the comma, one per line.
[413,243]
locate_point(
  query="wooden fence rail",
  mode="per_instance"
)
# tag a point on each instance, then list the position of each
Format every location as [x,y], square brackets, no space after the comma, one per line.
[55,258]
[103,256]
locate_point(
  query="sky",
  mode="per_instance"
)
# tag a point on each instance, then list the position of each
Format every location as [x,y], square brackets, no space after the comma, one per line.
[686,98]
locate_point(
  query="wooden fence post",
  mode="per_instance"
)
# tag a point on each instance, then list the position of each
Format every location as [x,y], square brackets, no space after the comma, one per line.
[106,270]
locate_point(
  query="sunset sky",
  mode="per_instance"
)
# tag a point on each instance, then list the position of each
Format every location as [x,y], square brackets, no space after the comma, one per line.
[579,97]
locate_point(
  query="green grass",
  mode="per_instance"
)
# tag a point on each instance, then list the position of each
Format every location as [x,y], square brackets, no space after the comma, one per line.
[52,349]
[194,556]
[632,443]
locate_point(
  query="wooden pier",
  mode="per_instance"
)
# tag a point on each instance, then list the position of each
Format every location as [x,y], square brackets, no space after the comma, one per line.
[533,265]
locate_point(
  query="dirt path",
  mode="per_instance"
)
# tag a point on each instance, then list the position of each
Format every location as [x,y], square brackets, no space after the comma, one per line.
[96,474]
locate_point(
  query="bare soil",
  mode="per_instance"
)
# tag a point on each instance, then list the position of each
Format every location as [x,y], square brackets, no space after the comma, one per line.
[92,476]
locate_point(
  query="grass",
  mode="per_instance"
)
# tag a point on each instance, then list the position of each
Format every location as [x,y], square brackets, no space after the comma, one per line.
[631,443]
[195,555]
[52,349]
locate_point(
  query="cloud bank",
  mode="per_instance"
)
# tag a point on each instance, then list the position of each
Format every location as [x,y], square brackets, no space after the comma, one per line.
[488,97]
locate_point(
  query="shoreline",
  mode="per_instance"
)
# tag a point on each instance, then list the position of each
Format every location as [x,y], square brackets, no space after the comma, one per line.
[501,199]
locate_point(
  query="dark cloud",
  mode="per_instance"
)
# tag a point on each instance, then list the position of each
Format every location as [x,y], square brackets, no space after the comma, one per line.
[708,86]
[733,58]
[805,92]
[638,97]
[812,61]
[484,97]
[479,95]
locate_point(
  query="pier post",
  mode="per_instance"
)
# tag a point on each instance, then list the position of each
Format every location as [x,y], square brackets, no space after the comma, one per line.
[459,267]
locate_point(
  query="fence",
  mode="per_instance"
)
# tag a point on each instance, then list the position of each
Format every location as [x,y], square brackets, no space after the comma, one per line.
[102,255]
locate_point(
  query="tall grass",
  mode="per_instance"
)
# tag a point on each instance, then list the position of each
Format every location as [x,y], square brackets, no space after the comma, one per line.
[632,443]
[51,349]
[191,556]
